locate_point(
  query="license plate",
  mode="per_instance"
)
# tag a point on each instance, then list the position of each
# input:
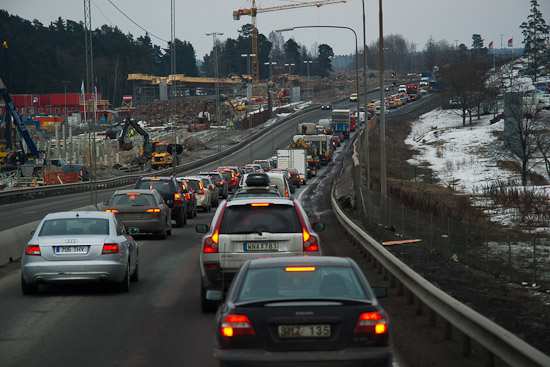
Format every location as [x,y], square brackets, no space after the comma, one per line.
[261,246]
[61,250]
[304,331]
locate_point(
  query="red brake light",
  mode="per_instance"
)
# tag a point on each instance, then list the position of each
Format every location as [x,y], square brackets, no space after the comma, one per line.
[236,325]
[371,323]
[188,196]
[259,204]
[177,198]
[310,241]
[110,248]
[153,210]
[211,243]
[300,268]
[111,211]
[33,250]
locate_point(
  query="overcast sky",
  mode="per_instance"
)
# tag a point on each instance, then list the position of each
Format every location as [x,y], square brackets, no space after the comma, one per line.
[452,20]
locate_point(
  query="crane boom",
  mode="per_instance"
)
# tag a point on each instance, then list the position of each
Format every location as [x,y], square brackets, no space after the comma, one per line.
[254,10]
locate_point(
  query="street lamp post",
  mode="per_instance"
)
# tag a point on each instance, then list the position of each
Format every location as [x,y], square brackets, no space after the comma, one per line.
[270,63]
[214,34]
[383,189]
[356,51]
[367,153]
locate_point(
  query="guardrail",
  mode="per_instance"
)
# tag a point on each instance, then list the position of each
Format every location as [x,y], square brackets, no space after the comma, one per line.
[17,195]
[498,341]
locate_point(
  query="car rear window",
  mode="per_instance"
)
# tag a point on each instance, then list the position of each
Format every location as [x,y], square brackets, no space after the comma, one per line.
[133,199]
[75,226]
[227,175]
[163,187]
[306,283]
[271,218]
[194,184]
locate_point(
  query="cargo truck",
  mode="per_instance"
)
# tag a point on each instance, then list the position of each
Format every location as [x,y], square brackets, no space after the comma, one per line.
[306,128]
[341,122]
[293,158]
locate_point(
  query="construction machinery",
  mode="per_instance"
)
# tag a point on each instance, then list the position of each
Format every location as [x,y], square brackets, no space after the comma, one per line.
[124,143]
[29,153]
[254,10]
[165,155]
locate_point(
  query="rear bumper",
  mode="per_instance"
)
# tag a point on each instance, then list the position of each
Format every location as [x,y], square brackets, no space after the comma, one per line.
[51,272]
[151,225]
[371,356]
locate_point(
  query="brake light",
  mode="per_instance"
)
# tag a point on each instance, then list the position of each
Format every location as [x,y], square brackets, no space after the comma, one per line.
[153,210]
[221,182]
[202,192]
[188,196]
[111,211]
[300,268]
[310,241]
[110,248]
[32,250]
[211,243]
[259,204]
[177,198]
[133,193]
[236,325]
[371,323]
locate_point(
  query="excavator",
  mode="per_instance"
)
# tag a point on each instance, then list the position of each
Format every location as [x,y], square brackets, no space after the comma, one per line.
[203,119]
[149,146]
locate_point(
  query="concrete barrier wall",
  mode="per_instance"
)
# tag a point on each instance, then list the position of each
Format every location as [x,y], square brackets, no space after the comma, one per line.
[13,241]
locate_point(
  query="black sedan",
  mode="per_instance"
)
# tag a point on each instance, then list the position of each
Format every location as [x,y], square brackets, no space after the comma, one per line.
[327,106]
[314,310]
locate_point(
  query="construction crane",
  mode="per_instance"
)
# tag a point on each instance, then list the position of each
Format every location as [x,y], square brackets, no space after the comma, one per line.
[254,10]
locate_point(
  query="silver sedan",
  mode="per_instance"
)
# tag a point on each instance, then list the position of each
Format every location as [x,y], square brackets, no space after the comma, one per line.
[79,246]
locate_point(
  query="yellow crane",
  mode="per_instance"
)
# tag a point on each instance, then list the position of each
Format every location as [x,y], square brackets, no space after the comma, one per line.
[254,10]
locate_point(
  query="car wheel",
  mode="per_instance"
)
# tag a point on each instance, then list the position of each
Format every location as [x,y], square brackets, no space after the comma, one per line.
[206,305]
[180,219]
[135,275]
[28,288]
[124,285]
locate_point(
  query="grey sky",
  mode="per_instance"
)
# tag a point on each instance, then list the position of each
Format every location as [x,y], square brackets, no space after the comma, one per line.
[448,20]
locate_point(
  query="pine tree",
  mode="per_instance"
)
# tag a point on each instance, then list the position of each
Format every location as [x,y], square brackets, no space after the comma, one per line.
[535,32]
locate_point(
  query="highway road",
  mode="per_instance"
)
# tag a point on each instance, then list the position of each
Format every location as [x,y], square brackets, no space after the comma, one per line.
[159,321]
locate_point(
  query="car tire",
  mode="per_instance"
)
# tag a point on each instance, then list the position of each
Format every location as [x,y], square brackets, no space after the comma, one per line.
[124,285]
[180,219]
[135,275]
[27,288]
[206,305]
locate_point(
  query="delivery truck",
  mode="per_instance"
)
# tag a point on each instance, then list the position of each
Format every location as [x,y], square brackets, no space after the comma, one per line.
[293,158]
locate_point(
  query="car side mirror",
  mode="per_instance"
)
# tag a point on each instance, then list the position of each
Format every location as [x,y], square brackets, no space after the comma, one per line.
[379,291]
[133,230]
[319,226]
[214,295]
[202,228]
[106,203]
[169,202]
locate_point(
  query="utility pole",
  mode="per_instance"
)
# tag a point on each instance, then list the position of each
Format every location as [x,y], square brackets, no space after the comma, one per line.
[174,82]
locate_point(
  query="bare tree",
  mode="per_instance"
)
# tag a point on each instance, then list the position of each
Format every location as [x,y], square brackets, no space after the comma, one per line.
[523,132]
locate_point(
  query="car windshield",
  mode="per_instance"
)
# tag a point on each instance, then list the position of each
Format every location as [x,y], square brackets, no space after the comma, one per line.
[162,186]
[311,282]
[271,218]
[75,226]
[133,199]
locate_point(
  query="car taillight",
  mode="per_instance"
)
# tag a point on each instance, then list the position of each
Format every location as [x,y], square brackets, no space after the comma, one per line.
[211,243]
[110,248]
[371,323]
[32,250]
[177,198]
[310,241]
[202,192]
[111,211]
[153,210]
[221,183]
[236,325]
[187,196]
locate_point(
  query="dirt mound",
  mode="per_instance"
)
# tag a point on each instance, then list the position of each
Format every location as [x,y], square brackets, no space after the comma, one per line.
[185,110]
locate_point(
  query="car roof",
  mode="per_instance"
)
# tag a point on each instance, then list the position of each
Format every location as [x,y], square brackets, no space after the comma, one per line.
[246,201]
[137,191]
[79,214]
[300,261]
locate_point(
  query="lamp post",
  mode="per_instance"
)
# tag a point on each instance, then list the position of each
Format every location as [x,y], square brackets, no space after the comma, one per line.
[383,189]
[270,63]
[367,153]
[308,62]
[214,34]
[356,50]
